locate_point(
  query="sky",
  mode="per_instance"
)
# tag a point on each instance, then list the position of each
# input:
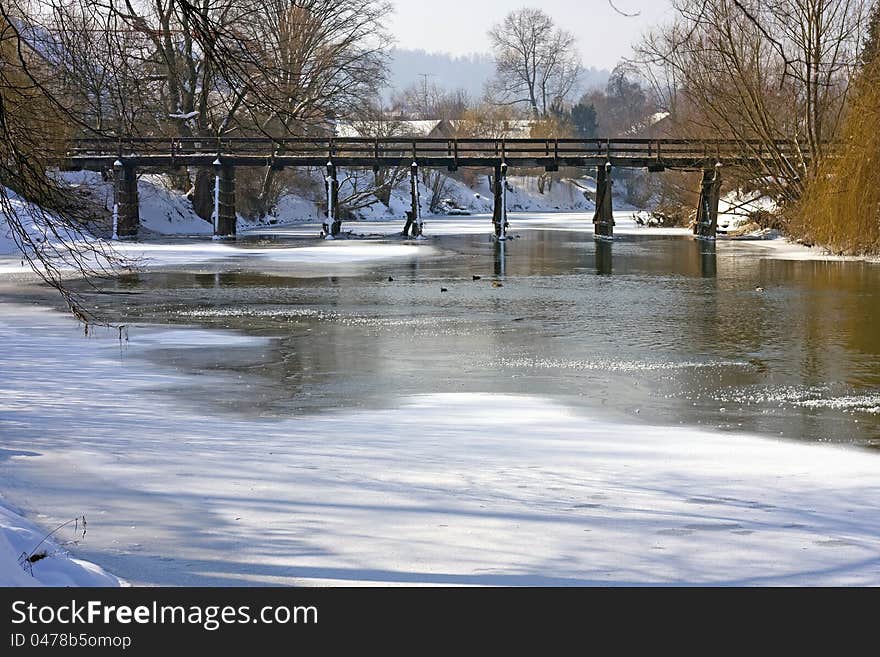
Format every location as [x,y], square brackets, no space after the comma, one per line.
[459,26]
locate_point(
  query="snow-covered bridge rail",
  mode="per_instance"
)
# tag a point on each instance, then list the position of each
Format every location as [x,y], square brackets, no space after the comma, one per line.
[124,156]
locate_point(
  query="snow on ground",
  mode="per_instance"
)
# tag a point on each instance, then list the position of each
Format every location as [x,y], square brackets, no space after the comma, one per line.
[562,196]
[167,212]
[582,222]
[781,248]
[163,210]
[338,252]
[150,253]
[564,207]
[291,207]
[735,208]
[33,222]
[523,196]
[20,538]
[624,223]
[443,489]
[478,224]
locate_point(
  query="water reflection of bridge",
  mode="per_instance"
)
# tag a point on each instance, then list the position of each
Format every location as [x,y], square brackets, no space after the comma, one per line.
[700,258]
[126,156]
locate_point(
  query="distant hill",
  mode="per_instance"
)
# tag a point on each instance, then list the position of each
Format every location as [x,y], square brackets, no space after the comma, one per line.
[468,72]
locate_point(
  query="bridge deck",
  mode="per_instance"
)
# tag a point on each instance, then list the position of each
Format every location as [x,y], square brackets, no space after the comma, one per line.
[432,152]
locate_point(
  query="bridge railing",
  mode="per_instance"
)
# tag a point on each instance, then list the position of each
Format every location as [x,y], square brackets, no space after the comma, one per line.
[427,148]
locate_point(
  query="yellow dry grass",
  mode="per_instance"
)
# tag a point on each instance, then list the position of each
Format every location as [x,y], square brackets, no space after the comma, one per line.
[840,209]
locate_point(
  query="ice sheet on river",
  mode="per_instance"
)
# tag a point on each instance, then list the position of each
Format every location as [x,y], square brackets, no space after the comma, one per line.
[440,489]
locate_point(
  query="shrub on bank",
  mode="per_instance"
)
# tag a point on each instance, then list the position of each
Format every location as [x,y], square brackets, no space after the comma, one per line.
[840,209]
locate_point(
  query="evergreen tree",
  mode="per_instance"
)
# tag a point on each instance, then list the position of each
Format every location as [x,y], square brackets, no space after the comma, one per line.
[585,121]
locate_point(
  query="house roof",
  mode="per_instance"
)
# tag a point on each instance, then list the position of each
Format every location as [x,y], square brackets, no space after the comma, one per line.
[647,123]
[352,129]
[507,129]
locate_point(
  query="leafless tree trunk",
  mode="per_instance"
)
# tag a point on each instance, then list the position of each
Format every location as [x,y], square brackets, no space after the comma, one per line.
[767,71]
[317,59]
[536,63]
[51,228]
[205,68]
[438,184]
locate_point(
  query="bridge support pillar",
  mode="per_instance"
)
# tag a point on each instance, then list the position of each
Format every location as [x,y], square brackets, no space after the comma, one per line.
[333,224]
[413,224]
[499,211]
[603,219]
[126,204]
[707,210]
[223,216]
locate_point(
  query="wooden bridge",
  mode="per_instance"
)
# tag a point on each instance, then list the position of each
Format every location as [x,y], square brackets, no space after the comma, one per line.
[125,156]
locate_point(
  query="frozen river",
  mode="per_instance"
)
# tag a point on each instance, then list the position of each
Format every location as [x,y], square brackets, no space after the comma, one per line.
[454,411]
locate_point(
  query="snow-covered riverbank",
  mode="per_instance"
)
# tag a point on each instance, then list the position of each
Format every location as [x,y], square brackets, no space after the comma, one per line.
[29,558]
[170,252]
[165,211]
[436,489]
[166,214]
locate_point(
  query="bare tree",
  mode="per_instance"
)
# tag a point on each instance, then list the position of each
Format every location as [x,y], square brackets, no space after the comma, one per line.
[536,63]
[623,107]
[490,121]
[430,101]
[774,72]
[372,122]
[198,66]
[49,225]
[204,68]
[271,67]
[316,60]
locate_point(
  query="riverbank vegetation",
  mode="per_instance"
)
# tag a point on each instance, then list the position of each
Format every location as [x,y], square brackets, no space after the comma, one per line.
[798,72]
[34,124]
[773,77]
[171,68]
[840,208]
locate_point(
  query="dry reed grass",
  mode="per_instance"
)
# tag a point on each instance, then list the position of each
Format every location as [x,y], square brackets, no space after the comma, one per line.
[840,209]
